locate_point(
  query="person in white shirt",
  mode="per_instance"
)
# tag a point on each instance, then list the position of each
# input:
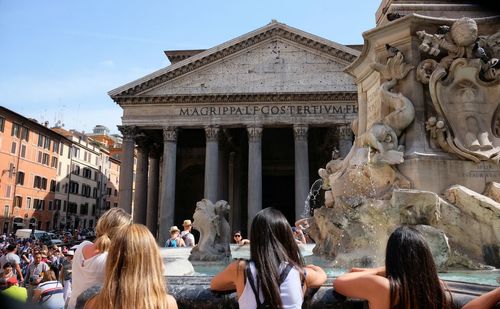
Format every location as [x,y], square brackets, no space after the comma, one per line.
[88,266]
[186,235]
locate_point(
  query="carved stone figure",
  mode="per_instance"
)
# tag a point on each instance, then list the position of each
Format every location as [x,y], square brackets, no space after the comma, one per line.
[211,221]
[425,69]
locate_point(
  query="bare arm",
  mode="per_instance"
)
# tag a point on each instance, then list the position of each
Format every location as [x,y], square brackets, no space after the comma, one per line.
[315,276]
[485,301]
[230,278]
[369,284]
[171,303]
[19,272]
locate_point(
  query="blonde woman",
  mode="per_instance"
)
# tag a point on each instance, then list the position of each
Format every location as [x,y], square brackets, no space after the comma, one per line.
[134,274]
[89,259]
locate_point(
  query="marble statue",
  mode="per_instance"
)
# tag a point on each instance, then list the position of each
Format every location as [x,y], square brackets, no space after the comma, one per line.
[212,223]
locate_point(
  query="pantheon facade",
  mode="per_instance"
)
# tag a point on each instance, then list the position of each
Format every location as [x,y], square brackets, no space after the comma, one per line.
[249,121]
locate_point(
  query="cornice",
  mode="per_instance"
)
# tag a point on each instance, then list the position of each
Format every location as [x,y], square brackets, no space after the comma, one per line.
[236,98]
[275,30]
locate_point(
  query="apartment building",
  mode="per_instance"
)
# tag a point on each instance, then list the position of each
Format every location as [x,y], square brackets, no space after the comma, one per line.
[31,158]
[84,180]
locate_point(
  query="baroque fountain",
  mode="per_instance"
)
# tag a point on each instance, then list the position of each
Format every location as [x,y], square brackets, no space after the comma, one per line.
[426,153]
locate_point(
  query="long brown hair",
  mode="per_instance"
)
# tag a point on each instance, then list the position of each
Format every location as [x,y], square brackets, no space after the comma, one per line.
[108,225]
[134,272]
[272,244]
[412,274]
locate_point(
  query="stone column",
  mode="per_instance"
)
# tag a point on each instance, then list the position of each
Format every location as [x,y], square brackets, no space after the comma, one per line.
[168,185]
[345,136]
[141,182]
[212,163]
[127,167]
[153,189]
[254,173]
[301,168]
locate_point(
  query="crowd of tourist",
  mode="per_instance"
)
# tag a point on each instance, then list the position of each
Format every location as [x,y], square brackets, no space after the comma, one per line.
[123,268]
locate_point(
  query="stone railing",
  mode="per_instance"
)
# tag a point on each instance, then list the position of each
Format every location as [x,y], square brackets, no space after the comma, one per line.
[194,292]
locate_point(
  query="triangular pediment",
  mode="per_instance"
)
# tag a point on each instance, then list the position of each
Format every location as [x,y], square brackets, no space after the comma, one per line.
[274,58]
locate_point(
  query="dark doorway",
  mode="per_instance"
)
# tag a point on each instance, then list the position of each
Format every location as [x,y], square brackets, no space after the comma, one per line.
[278,184]
[278,192]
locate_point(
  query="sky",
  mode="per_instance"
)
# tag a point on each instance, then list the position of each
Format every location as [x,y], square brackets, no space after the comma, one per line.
[59,58]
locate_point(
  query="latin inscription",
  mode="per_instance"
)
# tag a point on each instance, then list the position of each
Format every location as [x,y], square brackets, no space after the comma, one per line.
[263,110]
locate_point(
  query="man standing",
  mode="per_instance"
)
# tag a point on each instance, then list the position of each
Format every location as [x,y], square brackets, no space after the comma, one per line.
[13,259]
[36,270]
[186,235]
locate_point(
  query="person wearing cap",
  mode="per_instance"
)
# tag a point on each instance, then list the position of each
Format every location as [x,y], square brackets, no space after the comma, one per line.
[186,235]
[13,259]
[36,270]
[15,291]
[175,240]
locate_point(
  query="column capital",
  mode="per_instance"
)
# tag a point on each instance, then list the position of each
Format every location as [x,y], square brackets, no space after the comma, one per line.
[254,133]
[142,141]
[170,134]
[212,133]
[155,150]
[300,131]
[128,132]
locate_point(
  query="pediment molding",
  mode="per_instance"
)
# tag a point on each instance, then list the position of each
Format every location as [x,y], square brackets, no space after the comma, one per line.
[271,31]
[240,98]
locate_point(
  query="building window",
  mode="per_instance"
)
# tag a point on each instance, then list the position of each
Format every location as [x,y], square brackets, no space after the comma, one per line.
[25,133]
[16,130]
[116,192]
[58,187]
[50,205]
[87,173]
[18,201]
[65,206]
[44,183]
[84,209]
[52,186]
[76,169]
[6,211]
[39,159]
[59,168]
[73,187]
[39,204]
[57,204]
[28,202]
[20,178]
[115,205]
[13,148]
[61,151]
[23,151]
[108,191]
[37,183]
[94,193]
[46,143]
[93,209]
[76,152]
[40,140]
[53,163]
[7,191]
[45,159]
[55,146]
[2,124]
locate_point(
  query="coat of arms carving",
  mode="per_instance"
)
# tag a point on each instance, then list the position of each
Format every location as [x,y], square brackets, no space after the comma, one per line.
[465,92]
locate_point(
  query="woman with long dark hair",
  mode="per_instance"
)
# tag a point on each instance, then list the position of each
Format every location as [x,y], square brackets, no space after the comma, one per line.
[409,279]
[275,275]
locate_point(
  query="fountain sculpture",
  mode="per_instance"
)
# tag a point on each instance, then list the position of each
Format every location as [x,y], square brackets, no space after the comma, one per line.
[427,146]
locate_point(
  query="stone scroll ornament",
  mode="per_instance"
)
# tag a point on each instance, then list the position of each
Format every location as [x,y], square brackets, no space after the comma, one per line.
[383,136]
[465,90]
[211,220]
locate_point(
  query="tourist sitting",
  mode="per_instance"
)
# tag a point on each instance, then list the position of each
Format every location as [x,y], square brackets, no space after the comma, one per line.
[238,238]
[275,275]
[89,259]
[49,293]
[186,235]
[485,301]
[15,291]
[175,240]
[134,274]
[409,279]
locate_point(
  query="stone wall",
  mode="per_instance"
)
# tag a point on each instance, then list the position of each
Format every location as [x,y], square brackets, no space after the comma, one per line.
[194,292]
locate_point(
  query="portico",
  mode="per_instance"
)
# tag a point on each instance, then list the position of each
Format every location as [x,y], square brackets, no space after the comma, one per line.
[235,122]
